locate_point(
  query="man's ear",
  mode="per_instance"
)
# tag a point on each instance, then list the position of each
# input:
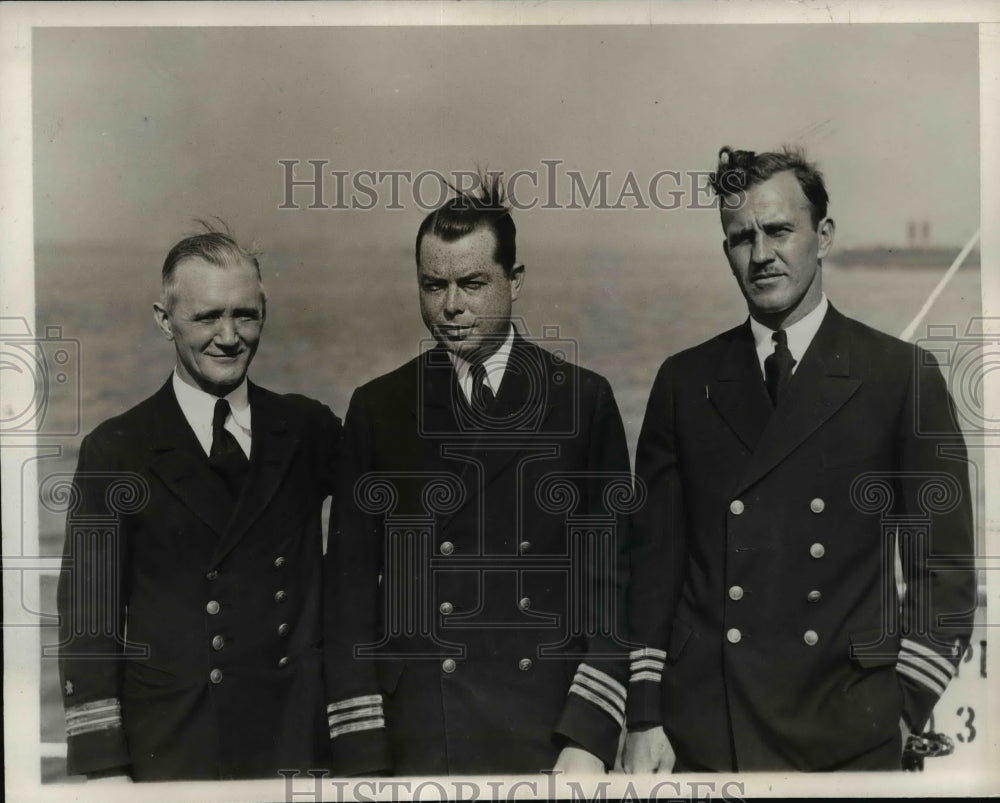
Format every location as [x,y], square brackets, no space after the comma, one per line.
[825,232]
[516,280]
[162,318]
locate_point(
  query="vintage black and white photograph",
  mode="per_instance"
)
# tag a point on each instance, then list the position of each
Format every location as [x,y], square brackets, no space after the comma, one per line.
[490,401]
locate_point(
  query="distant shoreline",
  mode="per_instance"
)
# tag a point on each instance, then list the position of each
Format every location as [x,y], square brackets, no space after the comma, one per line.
[903,257]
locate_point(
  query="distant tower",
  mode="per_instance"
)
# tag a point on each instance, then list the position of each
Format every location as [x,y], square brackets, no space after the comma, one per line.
[911,233]
[925,232]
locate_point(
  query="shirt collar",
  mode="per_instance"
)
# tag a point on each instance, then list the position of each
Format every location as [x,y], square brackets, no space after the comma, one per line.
[198,406]
[800,334]
[495,364]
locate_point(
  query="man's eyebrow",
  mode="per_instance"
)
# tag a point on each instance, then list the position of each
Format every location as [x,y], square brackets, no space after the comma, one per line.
[209,312]
[777,222]
[739,231]
[473,275]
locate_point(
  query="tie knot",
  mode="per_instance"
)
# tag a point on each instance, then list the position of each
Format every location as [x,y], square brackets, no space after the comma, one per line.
[221,413]
[780,338]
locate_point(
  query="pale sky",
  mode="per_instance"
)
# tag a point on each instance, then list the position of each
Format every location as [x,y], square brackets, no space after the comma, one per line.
[137,131]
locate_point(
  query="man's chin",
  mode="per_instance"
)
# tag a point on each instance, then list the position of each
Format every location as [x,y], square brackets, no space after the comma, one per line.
[222,385]
[768,304]
[460,348]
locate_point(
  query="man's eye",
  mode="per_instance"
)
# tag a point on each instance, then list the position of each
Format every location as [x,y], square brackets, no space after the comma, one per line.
[473,285]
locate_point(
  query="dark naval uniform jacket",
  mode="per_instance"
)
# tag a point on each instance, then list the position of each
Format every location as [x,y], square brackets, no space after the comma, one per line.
[190,623]
[762,581]
[473,571]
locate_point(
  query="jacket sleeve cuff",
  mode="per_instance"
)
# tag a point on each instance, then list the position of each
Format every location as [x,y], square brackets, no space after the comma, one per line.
[358,739]
[924,674]
[918,703]
[97,751]
[645,700]
[594,713]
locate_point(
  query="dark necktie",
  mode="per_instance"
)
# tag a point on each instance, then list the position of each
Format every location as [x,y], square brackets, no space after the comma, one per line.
[778,366]
[482,393]
[227,456]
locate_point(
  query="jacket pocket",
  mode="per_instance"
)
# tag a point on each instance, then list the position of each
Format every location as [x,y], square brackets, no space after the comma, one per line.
[679,635]
[314,648]
[387,673]
[872,648]
[150,683]
[148,675]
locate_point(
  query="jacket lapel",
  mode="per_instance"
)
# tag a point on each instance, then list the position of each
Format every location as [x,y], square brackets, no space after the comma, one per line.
[821,385]
[180,462]
[738,391]
[271,452]
[435,395]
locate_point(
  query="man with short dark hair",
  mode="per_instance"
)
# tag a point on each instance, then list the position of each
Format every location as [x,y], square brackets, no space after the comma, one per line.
[190,597]
[776,457]
[472,627]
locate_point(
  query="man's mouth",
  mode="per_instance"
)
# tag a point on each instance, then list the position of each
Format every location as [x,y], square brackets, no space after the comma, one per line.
[766,277]
[454,332]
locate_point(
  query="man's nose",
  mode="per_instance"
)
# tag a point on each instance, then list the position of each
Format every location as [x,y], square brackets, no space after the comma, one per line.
[225,333]
[762,253]
[453,301]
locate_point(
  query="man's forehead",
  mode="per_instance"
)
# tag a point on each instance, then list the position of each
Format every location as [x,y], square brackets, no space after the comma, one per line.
[473,253]
[208,285]
[774,199]
[197,264]
[205,282]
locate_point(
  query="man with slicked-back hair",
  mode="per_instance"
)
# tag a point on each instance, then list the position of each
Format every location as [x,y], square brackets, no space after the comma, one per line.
[776,457]
[190,597]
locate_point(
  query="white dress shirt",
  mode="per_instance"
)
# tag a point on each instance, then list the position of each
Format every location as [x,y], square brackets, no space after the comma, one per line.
[199,409]
[495,364]
[800,335]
